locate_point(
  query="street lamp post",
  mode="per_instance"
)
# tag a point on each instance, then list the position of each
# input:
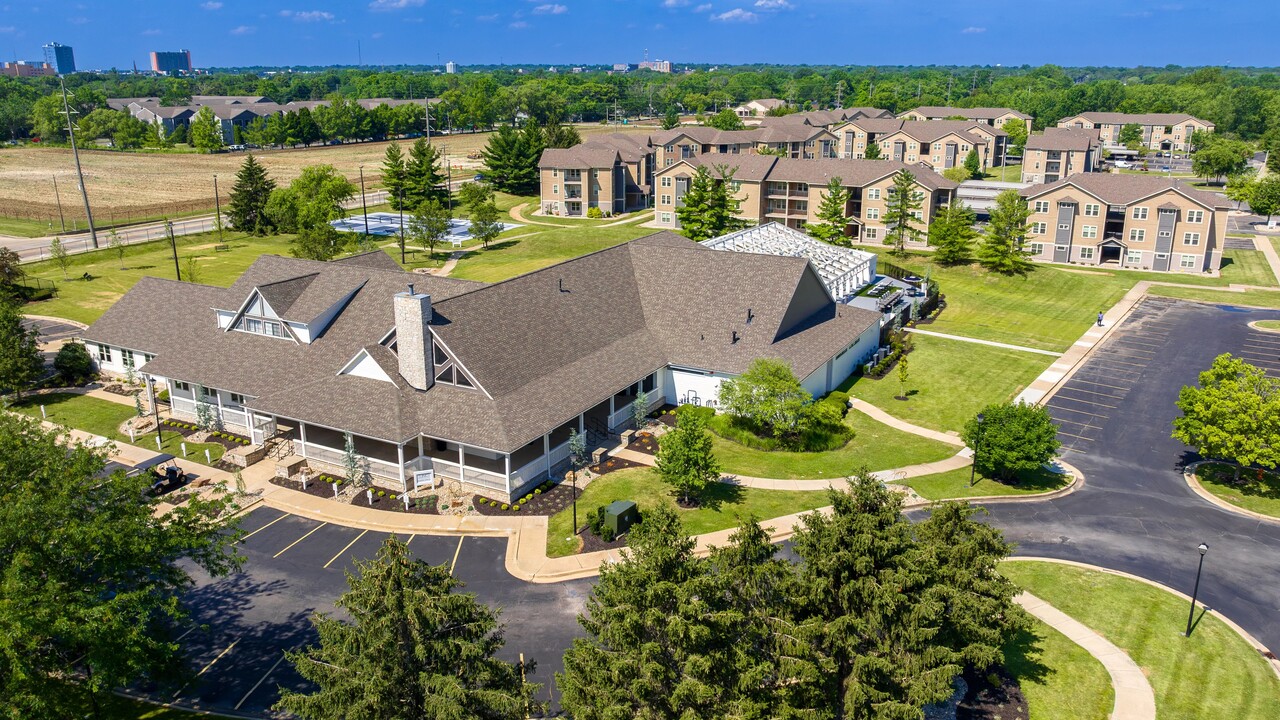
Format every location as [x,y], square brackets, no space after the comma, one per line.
[173,244]
[363,204]
[217,204]
[973,467]
[1203,548]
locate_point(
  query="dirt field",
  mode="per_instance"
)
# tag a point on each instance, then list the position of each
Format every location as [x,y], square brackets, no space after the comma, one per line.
[149,184]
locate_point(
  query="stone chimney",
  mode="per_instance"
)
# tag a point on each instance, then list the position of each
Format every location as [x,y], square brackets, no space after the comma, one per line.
[413,339]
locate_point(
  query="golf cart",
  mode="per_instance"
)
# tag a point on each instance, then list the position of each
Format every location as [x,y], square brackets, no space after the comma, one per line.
[164,473]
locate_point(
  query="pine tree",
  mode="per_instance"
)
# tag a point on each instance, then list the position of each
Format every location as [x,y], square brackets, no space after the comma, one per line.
[512,158]
[833,215]
[865,609]
[423,178]
[247,209]
[671,119]
[973,164]
[685,461]
[393,173]
[414,648]
[872,152]
[951,234]
[555,135]
[709,210]
[20,359]
[1002,246]
[901,206]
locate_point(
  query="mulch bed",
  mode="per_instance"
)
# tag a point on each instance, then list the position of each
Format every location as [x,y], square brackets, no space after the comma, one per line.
[387,504]
[118,389]
[594,543]
[985,701]
[612,464]
[188,429]
[314,487]
[644,442]
[549,502]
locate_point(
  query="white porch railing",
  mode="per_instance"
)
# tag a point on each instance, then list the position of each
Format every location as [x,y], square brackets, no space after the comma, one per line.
[484,478]
[620,416]
[529,473]
[559,454]
[452,471]
[377,468]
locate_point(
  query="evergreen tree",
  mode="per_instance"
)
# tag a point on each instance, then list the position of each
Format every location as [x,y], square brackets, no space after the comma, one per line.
[1002,246]
[512,158]
[900,208]
[872,152]
[429,225]
[671,120]
[414,648]
[685,461]
[973,164]
[709,210]
[833,214]
[951,233]
[865,611]
[393,174]
[20,359]
[555,135]
[206,131]
[247,210]
[473,194]
[423,177]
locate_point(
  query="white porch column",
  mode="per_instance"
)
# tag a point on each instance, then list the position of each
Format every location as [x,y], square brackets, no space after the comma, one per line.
[582,423]
[462,463]
[611,411]
[546,452]
[222,419]
[404,484]
[508,463]
[419,445]
[302,435]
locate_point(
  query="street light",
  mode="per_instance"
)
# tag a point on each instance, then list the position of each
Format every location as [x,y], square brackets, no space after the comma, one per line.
[977,443]
[1203,548]
[217,203]
[363,205]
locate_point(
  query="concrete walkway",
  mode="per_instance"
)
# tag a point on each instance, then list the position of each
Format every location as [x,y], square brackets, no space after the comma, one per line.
[875,413]
[1269,252]
[1134,698]
[989,343]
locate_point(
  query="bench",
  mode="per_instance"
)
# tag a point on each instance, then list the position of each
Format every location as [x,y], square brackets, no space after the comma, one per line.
[221,248]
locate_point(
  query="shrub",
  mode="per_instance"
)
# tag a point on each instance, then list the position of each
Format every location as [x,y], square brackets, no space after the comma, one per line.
[706,412]
[607,535]
[382,493]
[516,508]
[505,506]
[528,497]
[73,363]
[537,491]
[595,213]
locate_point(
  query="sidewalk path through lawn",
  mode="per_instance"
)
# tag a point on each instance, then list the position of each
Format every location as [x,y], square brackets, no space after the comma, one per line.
[992,343]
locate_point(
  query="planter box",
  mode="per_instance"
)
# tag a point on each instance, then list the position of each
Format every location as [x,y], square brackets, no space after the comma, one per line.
[245,456]
[290,466]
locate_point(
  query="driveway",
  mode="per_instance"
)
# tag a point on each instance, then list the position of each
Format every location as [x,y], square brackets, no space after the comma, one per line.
[1135,512]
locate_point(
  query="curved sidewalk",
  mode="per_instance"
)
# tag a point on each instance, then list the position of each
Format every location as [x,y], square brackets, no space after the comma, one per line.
[876,413]
[1134,699]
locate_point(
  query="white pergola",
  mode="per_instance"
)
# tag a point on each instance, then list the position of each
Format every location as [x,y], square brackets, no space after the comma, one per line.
[845,271]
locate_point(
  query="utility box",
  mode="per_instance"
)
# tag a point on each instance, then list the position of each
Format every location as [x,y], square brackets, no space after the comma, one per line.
[620,515]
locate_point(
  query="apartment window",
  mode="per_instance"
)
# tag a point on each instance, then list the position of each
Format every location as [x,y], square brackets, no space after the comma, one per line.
[555,189]
[147,357]
[261,326]
[873,213]
[1195,216]
[937,159]
[555,172]
[735,186]
[1137,235]
[1091,210]
[917,214]
[1036,248]
[1039,228]
[184,387]
[126,358]
[803,187]
[1086,253]
[802,206]
[666,200]
[237,399]
[1064,226]
[669,162]
[104,353]
[666,182]
[1166,233]
[1139,213]
[1042,206]
[1187,262]
[871,233]
[1089,231]
[669,148]
[1133,257]
[665,218]
[1191,238]
[873,194]
[595,174]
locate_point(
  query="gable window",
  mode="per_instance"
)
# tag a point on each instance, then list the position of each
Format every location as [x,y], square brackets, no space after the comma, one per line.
[1139,213]
[261,326]
[446,370]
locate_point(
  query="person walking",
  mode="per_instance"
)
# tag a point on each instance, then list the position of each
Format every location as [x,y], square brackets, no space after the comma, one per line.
[1099,319]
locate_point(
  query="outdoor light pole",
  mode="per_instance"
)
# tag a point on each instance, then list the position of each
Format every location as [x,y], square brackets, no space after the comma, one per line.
[173,243]
[973,467]
[363,204]
[400,197]
[1203,548]
[217,204]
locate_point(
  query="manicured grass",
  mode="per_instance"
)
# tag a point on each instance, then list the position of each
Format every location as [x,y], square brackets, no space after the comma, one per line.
[950,381]
[114,707]
[1005,173]
[1247,267]
[1212,674]
[1269,324]
[1060,679]
[724,507]
[1258,490]
[86,300]
[507,259]
[875,446]
[27,228]
[1252,298]
[103,417]
[954,484]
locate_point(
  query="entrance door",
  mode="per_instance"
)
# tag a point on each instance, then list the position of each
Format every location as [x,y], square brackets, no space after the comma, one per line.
[1110,253]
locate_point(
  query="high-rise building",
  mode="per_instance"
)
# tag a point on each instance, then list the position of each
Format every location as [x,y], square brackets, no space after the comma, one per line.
[60,57]
[170,63]
[451,67]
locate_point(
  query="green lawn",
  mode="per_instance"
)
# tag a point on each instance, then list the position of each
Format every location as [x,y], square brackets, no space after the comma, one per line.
[1269,324]
[86,300]
[1005,173]
[1257,490]
[1247,267]
[1060,679]
[954,485]
[875,446]
[951,380]
[27,228]
[506,259]
[724,507]
[1253,298]
[103,417]
[1213,674]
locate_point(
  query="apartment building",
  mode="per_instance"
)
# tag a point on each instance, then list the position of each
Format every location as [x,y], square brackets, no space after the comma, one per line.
[789,191]
[27,68]
[992,117]
[823,118]
[1127,221]
[1060,152]
[758,107]
[940,144]
[1167,132]
[794,141]
[613,173]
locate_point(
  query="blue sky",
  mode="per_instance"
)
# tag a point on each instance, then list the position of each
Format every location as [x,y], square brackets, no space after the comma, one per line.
[561,32]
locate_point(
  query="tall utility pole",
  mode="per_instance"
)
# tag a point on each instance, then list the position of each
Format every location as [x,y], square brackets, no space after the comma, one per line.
[427,102]
[173,244]
[363,203]
[217,204]
[75,152]
[62,220]
[400,197]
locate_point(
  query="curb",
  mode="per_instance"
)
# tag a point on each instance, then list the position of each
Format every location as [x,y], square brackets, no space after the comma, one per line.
[1253,642]
[1193,482]
[50,318]
[1254,324]
[1077,482]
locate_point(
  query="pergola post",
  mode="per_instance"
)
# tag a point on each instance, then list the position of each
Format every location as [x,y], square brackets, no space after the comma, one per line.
[404,483]
[462,463]
[546,452]
[302,437]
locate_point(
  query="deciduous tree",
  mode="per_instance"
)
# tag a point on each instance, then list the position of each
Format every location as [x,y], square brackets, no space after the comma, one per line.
[1017,131]
[58,253]
[1131,136]
[1233,414]
[1220,158]
[872,152]
[11,270]
[1012,438]
[671,120]
[1002,249]
[206,131]
[486,222]
[73,363]
[684,460]
[1264,198]
[429,225]
[768,396]
[726,119]
[20,360]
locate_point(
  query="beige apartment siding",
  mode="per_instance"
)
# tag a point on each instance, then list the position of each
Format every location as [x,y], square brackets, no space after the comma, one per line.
[1138,235]
[1036,165]
[1179,136]
[916,151]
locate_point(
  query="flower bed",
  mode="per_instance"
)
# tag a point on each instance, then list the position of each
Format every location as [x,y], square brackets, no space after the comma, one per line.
[548,498]
[392,501]
[322,489]
[125,390]
[612,464]
[226,439]
[644,442]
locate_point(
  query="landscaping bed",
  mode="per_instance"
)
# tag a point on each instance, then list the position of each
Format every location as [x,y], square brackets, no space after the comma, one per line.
[1257,490]
[390,501]
[993,696]
[548,498]
[644,442]
[227,440]
[314,487]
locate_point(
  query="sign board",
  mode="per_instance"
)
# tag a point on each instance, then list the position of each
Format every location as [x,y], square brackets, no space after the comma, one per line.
[424,477]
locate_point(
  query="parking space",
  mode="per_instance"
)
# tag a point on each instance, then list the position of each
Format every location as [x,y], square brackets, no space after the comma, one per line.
[1262,349]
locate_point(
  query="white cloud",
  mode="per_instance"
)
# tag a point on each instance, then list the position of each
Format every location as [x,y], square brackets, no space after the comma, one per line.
[307,15]
[773,4]
[487,18]
[674,3]
[704,7]
[550,9]
[243,30]
[736,15]
[518,25]
[8,29]
[151,33]
[971,30]
[211,5]
[394,4]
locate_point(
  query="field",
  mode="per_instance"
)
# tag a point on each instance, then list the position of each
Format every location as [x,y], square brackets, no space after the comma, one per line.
[146,184]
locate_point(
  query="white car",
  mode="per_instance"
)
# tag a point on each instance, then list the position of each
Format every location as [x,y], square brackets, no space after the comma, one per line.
[1123,164]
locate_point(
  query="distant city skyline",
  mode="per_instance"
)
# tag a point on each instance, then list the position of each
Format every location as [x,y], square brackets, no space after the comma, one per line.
[231,33]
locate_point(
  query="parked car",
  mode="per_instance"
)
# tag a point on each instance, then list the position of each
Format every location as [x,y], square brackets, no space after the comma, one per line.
[1123,164]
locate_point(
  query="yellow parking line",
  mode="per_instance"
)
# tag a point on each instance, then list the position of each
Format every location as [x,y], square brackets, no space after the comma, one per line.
[348,547]
[295,542]
[264,527]
[411,537]
[454,564]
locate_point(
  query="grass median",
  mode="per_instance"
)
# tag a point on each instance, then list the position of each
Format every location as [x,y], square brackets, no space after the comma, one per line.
[1256,490]
[954,484]
[1212,674]
[1060,679]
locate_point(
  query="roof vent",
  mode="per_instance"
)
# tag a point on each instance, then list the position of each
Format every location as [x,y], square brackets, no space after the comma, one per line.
[735,338]
[561,286]
[410,288]
[750,316]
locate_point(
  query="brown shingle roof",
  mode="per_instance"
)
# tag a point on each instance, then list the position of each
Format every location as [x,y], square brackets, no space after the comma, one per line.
[1116,118]
[579,157]
[1117,189]
[982,113]
[1064,139]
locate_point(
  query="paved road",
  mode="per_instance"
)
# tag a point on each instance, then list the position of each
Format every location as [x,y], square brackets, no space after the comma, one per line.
[1135,512]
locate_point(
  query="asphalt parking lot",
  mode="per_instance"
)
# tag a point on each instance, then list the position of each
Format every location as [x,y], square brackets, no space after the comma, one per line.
[52,330]
[242,624]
